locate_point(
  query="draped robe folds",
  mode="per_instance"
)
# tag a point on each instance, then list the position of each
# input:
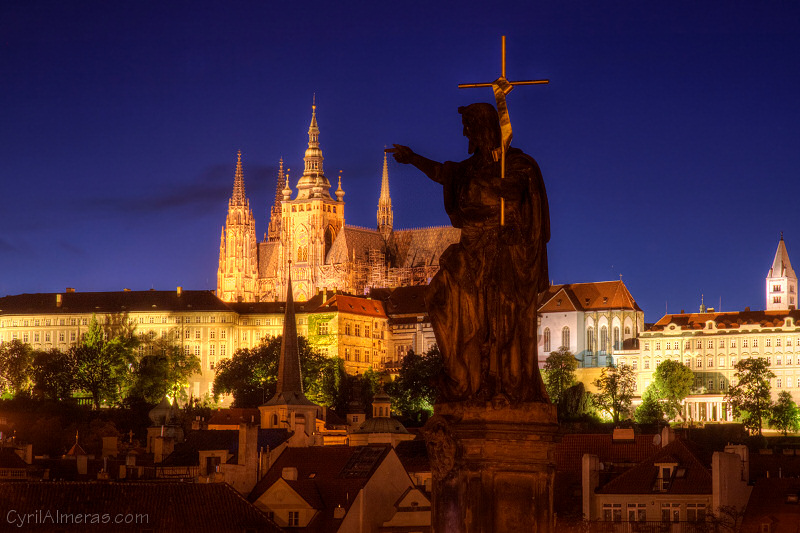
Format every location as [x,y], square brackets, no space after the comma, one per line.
[482,302]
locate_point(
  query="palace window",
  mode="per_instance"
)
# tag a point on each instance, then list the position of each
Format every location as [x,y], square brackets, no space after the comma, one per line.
[778,341]
[197,350]
[347,354]
[197,333]
[710,362]
[744,343]
[47,336]
[647,364]
[768,343]
[646,345]
[323,329]
[358,330]
[546,339]
[222,350]
[733,343]
[188,334]
[733,360]
[357,353]
[565,336]
[658,346]
[776,288]
[721,343]
[222,334]
[211,350]
[635,364]
[698,362]
[687,345]
[778,383]
[776,299]
[699,344]
[778,360]
[366,330]
[710,344]
[755,343]
[721,361]
[347,328]
[788,359]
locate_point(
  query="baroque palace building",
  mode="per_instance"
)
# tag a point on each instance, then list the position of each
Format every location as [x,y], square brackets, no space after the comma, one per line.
[711,343]
[307,234]
[364,332]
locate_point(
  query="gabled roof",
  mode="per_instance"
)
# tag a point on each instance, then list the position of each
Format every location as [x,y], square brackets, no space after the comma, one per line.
[9,459]
[111,302]
[641,479]
[595,296]
[357,305]
[327,477]
[726,320]
[206,507]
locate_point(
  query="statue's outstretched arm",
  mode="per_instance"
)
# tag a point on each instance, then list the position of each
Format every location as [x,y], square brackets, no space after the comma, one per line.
[405,155]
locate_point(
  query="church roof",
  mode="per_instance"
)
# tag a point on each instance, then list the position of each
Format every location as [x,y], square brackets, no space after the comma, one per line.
[593,296]
[111,302]
[381,424]
[408,300]
[353,241]
[423,246]
[781,266]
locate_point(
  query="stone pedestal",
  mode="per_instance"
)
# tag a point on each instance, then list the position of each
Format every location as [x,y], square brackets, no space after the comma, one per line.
[493,467]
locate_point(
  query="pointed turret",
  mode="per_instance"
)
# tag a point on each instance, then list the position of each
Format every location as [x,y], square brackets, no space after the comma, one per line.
[339,190]
[781,281]
[385,213]
[274,227]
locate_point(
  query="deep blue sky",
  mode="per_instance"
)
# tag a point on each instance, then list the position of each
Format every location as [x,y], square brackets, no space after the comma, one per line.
[669,136]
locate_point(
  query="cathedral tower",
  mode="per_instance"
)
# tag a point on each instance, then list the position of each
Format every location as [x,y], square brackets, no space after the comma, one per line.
[238,265]
[781,281]
[385,213]
[311,221]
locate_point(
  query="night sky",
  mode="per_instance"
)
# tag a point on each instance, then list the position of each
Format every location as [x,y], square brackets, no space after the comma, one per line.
[669,136]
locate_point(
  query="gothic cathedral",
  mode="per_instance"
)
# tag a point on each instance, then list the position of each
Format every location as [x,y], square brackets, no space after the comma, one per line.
[308,235]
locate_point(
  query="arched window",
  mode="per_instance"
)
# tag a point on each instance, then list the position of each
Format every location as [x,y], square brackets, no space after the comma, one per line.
[546,339]
[590,339]
[616,338]
[604,339]
[565,337]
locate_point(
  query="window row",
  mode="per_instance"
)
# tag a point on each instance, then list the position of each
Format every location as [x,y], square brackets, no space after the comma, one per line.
[722,343]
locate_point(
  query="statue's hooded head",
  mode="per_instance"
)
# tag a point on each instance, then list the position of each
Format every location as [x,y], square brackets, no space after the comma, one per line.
[481,127]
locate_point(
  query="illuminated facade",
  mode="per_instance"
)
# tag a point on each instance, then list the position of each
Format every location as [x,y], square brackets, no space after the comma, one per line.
[307,234]
[711,343]
[593,320]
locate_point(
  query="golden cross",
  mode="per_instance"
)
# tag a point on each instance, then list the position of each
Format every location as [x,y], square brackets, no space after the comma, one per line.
[501,88]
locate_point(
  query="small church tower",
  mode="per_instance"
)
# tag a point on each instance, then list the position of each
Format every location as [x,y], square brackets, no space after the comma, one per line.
[238,264]
[385,214]
[781,281]
[289,408]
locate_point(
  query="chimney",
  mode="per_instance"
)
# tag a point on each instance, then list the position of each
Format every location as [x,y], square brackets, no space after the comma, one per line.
[180,291]
[70,289]
[289,473]
[58,300]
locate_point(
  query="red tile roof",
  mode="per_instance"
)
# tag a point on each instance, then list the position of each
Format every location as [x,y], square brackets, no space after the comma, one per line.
[111,302]
[353,304]
[727,320]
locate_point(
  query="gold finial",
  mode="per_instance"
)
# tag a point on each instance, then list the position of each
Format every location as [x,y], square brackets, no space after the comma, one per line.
[314,102]
[239,155]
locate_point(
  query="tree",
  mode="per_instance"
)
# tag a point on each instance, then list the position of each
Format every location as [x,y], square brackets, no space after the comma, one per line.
[650,411]
[750,396]
[576,403]
[414,392]
[53,375]
[672,382]
[164,371]
[559,373]
[615,390]
[15,367]
[251,375]
[785,414]
[102,367]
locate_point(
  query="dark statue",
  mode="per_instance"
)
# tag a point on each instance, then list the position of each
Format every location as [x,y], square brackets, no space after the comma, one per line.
[482,302]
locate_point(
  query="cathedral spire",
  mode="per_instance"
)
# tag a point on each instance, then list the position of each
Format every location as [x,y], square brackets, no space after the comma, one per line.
[275,214]
[385,213]
[312,170]
[289,377]
[238,197]
[781,281]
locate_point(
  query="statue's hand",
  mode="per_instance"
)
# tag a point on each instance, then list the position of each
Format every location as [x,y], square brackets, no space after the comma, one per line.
[403,154]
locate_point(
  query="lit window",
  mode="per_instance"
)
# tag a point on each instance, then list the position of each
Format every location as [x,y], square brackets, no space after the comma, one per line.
[778,383]
[744,343]
[698,363]
[755,343]
[733,343]
[710,363]
[768,343]
[699,344]
[710,344]
[294,519]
